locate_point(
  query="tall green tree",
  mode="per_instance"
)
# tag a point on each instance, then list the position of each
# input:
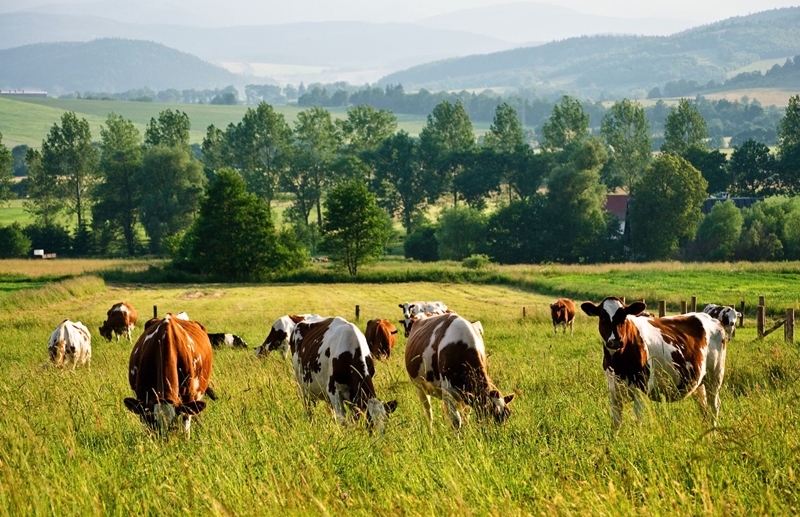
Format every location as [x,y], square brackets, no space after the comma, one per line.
[713,165]
[233,237]
[365,128]
[216,150]
[752,169]
[788,180]
[719,232]
[505,138]
[70,160]
[172,186]
[683,128]
[44,202]
[789,125]
[626,131]
[316,146]
[447,135]
[568,123]
[6,172]
[461,233]
[119,194]
[666,209]
[170,129]
[356,229]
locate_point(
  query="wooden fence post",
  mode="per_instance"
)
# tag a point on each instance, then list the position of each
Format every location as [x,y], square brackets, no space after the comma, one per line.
[761,301]
[760,320]
[662,308]
[683,307]
[358,312]
[741,311]
[788,327]
[155,311]
[693,304]
[524,313]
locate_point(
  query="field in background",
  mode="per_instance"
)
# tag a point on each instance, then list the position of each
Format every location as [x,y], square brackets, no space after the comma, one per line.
[68,445]
[13,212]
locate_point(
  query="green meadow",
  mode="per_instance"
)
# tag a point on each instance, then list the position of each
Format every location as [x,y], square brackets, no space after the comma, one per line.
[69,446]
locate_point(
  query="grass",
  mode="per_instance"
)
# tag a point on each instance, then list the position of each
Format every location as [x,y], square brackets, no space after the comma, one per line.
[13,212]
[68,445]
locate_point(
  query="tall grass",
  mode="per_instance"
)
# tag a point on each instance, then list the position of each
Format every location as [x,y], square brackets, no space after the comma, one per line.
[69,446]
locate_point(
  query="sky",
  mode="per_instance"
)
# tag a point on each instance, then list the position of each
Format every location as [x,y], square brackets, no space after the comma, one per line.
[230,12]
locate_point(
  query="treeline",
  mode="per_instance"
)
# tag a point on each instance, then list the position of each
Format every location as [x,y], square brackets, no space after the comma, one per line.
[344,179]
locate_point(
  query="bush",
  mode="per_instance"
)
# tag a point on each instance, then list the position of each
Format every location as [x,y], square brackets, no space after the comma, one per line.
[461,233]
[476,261]
[422,244]
[719,232]
[13,242]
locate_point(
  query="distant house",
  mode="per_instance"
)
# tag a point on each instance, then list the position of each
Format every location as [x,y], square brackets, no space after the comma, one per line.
[23,93]
[617,204]
[740,202]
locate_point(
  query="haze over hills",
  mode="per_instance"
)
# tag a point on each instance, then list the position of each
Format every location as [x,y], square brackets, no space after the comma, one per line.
[619,65]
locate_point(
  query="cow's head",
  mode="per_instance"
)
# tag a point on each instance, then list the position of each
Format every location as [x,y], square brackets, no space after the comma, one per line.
[499,405]
[162,416]
[58,351]
[377,411]
[279,335]
[556,310]
[106,331]
[613,314]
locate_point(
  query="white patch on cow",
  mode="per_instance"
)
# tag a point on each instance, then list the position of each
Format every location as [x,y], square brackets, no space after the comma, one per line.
[611,307]
[183,316]
[478,327]
[228,340]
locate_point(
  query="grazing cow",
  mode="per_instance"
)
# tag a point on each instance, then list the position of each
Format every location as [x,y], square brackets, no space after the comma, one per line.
[412,309]
[725,315]
[70,344]
[446,358]
[665,358]
[381,337]
[563,313]
[169,370]
[332,362]
[281,332]
[121,320]
[229,340]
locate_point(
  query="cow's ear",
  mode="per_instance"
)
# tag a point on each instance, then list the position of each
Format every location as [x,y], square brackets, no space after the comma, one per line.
[590,309]
[508,398]
[635,308]
[191,408]
[400,305]
[295,318]
[134,406]
[390,406]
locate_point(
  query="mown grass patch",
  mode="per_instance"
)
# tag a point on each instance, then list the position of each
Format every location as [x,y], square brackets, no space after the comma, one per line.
[69,446]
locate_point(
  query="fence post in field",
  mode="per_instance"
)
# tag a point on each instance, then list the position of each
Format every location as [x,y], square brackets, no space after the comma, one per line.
[741,311]
[683,307]
[524,313]
[760,320]
[762,301]
[155,311]
[662,308]
[693,304]
[788,328]
[358,312]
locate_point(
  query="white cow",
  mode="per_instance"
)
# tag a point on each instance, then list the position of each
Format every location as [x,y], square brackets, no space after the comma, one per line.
[413,309]
[70,344]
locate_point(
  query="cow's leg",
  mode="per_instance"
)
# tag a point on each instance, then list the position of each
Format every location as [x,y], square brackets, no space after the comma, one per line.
[555,329]
[571,328]
[187,425]
[426,406]
[337,403]
[712,384]
[615,399]
[638,404]
[701,397]
[449,397]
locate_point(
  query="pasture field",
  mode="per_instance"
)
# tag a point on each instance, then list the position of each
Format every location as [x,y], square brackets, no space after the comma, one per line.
[69,446]
[13,212]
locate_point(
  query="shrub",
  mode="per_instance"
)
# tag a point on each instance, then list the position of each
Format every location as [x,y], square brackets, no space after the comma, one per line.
[13,242]
[50,238]
[479,261]
[461,233]
[422,244]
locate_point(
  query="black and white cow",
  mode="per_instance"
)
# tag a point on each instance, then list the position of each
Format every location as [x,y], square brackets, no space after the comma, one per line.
[229,340]
[725,315]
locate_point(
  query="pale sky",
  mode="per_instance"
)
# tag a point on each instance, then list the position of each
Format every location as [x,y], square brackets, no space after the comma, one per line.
[227,12]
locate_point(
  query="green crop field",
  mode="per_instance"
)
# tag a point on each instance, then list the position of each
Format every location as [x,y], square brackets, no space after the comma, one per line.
[13,212]
[69,446]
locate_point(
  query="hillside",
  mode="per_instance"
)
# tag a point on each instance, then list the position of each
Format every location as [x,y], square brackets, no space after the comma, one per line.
[110,65]
[619,65]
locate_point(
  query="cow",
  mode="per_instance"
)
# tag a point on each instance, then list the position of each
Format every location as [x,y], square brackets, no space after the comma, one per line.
[563,313]
[280,333]
[381,337]
[412,309]
[446,358]
[664,358]
[332,362]
[70,345]
[121,320]
[229,340]
[169,371]
[725,315]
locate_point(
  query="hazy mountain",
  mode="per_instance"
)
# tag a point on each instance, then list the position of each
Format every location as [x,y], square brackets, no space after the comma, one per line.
[525,21]
[107,65]
[619,65]
[140,11]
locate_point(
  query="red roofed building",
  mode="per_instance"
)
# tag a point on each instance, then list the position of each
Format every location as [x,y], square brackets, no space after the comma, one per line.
[617,204]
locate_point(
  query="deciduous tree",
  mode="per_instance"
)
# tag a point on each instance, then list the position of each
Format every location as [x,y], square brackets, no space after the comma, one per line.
[626,131]
[752,168]
[568,123]
[316,146]
[683,128]
[6,172]
[171,129]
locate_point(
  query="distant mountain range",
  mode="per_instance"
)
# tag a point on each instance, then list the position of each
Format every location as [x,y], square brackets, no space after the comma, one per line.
[614,66]
[107,65]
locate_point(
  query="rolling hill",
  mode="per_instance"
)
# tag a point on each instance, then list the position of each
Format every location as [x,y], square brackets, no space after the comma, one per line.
[612,66]
[108,65]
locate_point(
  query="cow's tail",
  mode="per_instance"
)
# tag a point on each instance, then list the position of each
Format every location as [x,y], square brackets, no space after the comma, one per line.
[61,344]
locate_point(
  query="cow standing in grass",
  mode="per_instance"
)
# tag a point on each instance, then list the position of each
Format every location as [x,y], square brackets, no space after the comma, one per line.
[121,319]
[446,358]
[281,332]
[412,309]
[381,337]
[664,358]
[725,315]
[563,313]
[70,345]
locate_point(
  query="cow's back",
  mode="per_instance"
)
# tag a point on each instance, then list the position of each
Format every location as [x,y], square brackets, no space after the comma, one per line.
[441,344]
[381,336]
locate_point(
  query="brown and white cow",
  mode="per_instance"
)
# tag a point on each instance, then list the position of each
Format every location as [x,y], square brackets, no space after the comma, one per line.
[281,332]
[70,345]
[664,358]
[446,358]
[169,370]
[412,309]
[563,313]
[381,337]
[332,362]
[725,315]
[121,320]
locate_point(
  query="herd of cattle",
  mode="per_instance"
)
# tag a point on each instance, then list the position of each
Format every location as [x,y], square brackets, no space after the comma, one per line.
[170,365]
